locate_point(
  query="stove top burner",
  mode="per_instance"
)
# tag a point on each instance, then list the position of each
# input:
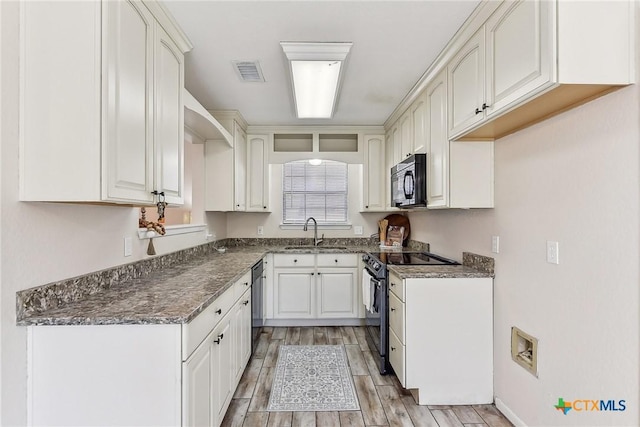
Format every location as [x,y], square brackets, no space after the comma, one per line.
[412,258]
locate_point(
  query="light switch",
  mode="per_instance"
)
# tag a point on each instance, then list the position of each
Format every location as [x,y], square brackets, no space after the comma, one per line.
[552,252]
[495,244]
[128,246]
[260,230]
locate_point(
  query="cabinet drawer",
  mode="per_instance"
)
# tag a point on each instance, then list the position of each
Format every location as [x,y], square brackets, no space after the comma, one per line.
[396,285]
[396,316]
[242,285]
[337,260]
[396,356]
[194,332]
[293,260]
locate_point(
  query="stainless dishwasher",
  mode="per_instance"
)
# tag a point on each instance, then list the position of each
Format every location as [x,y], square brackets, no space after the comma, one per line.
[257,318]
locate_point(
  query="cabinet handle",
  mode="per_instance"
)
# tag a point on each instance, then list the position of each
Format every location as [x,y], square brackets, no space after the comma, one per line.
[366,207]
[245,302]
[313,273]
[408,154]
[219,311]
[393,309]
[393,349]
[157,193]
[246,283]
[478,111]
[264,207]
[336,260]
[393,284]
[219,339]
[295,260]
[319,273]
[484,106]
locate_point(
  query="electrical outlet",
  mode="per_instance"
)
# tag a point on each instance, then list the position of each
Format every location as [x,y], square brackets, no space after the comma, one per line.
[260,230]
[128,246]
[495,244]
[357,230]
[552,252]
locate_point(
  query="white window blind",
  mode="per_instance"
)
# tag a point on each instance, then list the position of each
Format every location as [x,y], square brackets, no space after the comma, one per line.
[318,191]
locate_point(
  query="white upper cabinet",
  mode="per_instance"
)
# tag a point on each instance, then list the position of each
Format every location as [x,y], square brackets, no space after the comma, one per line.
[240,163]
[169,118]
[226,167]
[518,52]
[111,130]
[531,59]
[459,173]
[406,135]
[374,188]
[419,121]
[466,85]
[438,143]
[128,45]
[258,173]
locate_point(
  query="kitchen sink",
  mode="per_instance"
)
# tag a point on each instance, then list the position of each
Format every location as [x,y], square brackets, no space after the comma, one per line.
[320,248]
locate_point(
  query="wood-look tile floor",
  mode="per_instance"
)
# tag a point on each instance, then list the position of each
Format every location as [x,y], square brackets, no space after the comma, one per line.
[383,401]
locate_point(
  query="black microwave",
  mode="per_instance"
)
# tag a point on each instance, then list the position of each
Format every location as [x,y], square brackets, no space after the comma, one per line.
[409,182]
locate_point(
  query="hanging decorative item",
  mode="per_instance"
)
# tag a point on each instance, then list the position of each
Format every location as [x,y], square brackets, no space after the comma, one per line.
[161,206]
[150,225]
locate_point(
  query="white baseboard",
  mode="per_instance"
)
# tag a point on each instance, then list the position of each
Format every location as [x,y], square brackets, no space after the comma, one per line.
[507,412]
[314,322]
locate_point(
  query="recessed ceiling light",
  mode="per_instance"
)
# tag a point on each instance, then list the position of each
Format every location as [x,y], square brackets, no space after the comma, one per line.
[316,73]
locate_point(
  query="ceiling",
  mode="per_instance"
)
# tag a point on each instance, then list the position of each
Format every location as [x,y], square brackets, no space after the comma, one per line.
[394,42]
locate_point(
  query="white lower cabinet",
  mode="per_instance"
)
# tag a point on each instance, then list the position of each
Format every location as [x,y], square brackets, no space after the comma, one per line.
[337,293]
[441,338]
[293,293]
[308,286]
[143,375]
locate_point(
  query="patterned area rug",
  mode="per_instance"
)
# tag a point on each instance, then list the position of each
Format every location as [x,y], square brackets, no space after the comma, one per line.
[312,378]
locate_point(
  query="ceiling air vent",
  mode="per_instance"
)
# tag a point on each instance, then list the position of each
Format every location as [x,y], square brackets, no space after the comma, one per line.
[248,71]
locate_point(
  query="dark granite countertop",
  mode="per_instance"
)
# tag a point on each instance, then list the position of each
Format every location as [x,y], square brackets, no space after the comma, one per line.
[177,293]
[436,271]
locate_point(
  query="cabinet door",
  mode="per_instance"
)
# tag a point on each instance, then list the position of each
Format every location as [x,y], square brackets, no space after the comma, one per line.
[169,118]
[245,342]
[127,115]
[223,376]
[406,135]
[438,157]
[374,173]
[518,52]
[258,174]
[241,326]
[397,144]
[196,374]
[293,293]
[337,293]
[419,121]
[389,163]
[466,85]
[240,162]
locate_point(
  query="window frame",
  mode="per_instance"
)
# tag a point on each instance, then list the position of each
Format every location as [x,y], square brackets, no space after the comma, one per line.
[294,224]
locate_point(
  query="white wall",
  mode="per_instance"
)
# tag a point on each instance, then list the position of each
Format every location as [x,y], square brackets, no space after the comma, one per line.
[246,224]
[44,242]
[573,179]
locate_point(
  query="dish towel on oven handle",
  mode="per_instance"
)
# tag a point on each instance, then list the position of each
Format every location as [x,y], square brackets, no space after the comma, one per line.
[366,289]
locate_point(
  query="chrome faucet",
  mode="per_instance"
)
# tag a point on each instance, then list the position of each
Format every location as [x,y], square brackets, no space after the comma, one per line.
[316,241]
